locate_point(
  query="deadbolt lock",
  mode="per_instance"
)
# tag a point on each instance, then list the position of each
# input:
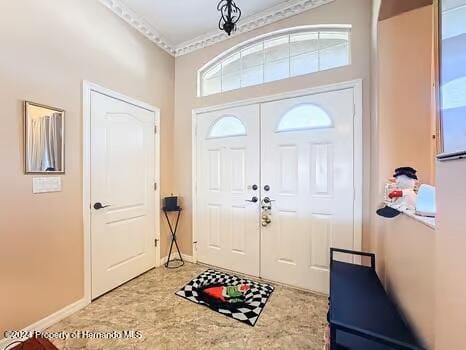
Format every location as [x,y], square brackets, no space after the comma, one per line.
[266,219]
[266,205]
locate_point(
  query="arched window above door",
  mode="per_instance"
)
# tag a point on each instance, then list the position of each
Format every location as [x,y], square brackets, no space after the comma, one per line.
[304,117]
[227,126]
[275,56]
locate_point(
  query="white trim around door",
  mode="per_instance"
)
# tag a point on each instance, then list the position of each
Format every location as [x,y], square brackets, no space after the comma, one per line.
[88,88]
[356,85]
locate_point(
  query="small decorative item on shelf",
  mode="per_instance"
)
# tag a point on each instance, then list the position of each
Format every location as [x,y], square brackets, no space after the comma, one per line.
[404,195]
[425,204]
[170,204]
[400,194]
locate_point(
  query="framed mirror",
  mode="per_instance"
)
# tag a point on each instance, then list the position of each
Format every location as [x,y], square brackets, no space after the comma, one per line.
[44,137]
[452,71]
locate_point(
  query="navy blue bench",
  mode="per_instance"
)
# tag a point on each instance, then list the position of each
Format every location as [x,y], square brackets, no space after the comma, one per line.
[361,315]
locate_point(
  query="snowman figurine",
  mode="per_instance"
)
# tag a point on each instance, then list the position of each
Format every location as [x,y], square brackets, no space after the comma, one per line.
[403,196]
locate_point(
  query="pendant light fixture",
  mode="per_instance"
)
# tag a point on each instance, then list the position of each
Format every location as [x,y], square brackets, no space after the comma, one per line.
[230,16]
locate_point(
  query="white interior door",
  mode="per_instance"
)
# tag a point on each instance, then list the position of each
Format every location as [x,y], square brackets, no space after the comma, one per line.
[307,161]
[227,170]
[122,178]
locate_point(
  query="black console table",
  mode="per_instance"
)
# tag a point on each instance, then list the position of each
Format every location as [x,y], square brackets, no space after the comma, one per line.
[362,316]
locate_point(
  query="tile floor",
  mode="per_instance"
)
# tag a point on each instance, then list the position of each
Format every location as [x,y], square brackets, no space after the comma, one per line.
[292,319]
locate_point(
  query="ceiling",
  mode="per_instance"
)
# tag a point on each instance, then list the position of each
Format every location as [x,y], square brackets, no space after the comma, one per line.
[183,26]
[182,20]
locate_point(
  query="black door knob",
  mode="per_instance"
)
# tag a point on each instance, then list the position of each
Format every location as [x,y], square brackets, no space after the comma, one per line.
[267,188]
[255,187]
[253,199]
[98,206]
[267,200]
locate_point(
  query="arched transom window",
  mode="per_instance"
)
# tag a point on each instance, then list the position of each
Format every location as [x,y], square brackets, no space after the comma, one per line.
[276,56]
[227,126]
[304,117]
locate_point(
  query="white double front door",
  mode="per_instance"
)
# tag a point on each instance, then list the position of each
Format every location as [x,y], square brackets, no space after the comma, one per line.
[297,152]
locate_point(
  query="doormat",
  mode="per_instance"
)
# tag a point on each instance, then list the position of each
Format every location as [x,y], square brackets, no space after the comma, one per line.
[230,295]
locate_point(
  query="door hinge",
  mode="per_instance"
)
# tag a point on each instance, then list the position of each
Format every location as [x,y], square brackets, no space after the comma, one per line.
[156,242]
[155,186]
[155,129]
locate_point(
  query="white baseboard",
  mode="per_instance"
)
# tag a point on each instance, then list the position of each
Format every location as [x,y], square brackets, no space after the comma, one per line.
[187,258]
[49,320]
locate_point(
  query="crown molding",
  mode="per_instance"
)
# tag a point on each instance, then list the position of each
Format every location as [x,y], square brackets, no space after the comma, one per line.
[284,10]
[139,23]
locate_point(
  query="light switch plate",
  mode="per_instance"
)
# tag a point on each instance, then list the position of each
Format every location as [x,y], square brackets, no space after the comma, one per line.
[46,184]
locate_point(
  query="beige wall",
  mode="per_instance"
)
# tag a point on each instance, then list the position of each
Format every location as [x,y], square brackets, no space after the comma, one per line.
[425,268]
[450,269]
[405,93]
[409,265]
[392,8]
[403,115]
[355,12]
[47,48]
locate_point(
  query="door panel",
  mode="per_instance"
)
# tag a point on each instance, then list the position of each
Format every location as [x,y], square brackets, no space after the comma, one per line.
[307,160]
[288,171]
[228,166]
[122,176]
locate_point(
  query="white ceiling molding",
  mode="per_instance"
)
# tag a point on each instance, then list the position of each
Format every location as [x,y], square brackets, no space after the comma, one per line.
[138,22]
[287,9]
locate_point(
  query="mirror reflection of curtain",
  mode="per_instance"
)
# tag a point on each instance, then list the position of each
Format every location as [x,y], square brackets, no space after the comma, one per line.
[45,144]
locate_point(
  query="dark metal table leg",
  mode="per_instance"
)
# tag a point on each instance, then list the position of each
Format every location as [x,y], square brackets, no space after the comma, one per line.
[174,241]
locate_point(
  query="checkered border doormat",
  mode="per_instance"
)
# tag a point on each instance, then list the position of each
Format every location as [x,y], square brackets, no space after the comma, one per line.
[255,298]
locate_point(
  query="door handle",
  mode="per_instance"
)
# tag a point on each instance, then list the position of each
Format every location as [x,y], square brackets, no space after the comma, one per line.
[253,200]
[267,200]
[98,206]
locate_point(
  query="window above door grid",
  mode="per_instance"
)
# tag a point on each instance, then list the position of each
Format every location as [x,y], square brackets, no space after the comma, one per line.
[275,56]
